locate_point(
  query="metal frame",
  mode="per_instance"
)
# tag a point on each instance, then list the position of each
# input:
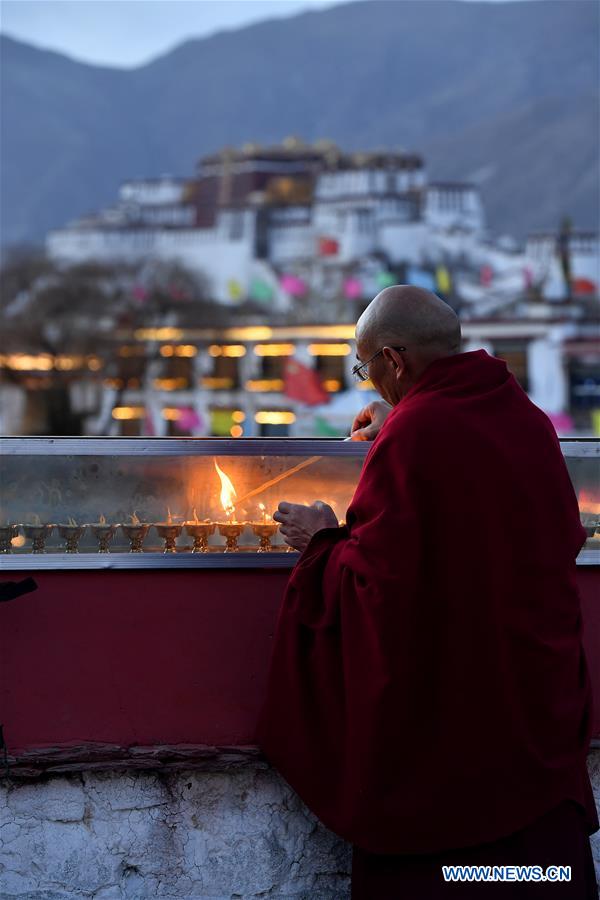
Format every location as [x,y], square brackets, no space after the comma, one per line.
[574,448]
[145,446]
[59,562]
[149,446]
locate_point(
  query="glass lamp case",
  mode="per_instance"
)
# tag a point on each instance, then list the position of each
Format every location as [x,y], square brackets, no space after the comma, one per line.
[86,503]
[145,502]
[582,456]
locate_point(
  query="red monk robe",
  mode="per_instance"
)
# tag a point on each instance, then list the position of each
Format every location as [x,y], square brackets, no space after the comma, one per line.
[428,687]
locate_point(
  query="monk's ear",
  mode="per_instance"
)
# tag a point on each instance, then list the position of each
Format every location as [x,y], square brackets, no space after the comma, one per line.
[396,359]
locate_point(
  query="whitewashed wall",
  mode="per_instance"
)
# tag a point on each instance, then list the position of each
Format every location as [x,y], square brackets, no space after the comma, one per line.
[405,241]
[210,251]
[185,835]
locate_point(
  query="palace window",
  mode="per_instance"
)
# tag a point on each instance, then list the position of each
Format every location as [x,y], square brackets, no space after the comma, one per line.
[225,374]
[332,372]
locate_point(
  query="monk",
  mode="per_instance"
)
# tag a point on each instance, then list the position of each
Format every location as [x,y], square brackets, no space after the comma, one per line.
[428,697]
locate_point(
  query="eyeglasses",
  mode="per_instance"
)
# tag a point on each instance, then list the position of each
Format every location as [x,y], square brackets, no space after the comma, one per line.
[360,372]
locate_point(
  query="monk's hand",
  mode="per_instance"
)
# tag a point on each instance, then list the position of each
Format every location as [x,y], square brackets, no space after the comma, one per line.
[298,522]
[369,420]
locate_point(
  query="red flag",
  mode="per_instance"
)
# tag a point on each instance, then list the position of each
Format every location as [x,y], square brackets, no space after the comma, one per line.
[583,286]
[328,246]
[303,384]
[486,276]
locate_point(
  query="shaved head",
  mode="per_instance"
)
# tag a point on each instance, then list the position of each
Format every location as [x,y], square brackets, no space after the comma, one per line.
[412,317]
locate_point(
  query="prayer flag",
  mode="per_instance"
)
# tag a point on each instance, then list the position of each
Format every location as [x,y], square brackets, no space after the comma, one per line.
[328,246]
[562,421]
[292,285]
[234,289]
[444,282]
[486,275]
[221,422]
[353,288]
[139,293]
[583,286]
[384,279]
[260,291]
[188,420]
[324,429]
[420,278]
[302,383]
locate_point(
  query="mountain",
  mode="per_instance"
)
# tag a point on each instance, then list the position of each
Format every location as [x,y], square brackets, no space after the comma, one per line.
[502,93]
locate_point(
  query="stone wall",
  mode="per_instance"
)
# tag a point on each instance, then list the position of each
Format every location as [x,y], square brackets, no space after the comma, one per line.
[190,835]
[133,834]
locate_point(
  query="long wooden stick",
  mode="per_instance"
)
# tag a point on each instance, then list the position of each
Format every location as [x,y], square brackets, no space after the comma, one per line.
[286,474]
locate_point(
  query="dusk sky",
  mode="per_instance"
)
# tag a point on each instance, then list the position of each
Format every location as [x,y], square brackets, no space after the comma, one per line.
[131,32]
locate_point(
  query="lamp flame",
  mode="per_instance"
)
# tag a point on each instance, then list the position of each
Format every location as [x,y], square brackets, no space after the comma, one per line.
[102,520]
[134,519]
[228,493]
[265,516]
[589,503]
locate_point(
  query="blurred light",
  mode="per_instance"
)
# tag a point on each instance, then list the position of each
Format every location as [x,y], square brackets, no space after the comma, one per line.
[365,385]
[329,349]
[264,384]
[238,416]
[332,385]
[66,363]
[250,333]
[274,417]
[18,541]
[236,431]
[170,384]
[128,412]
[94,363]
[24,362]
[274,349]
[113,383]
[171,413]
[216,383]
[227,350]
[179,350]
[158,334]
[343,332]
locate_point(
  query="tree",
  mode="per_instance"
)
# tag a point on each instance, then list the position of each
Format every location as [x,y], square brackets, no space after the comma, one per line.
[62,324]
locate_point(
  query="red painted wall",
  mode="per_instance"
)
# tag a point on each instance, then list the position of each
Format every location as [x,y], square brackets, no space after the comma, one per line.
[156,657]
[159,657]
